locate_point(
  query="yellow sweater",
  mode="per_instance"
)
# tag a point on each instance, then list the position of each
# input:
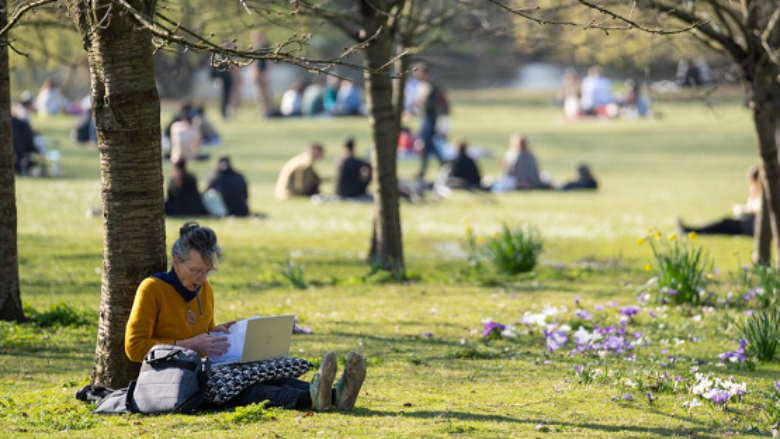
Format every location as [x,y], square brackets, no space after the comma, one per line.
[159,315]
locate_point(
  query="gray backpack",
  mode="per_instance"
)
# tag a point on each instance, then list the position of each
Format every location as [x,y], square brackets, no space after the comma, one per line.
[172,380]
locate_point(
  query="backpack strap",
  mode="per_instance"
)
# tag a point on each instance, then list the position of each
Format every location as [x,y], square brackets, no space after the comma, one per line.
[129,400]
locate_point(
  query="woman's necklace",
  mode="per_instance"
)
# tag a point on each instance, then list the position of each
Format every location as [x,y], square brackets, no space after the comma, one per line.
[190,316]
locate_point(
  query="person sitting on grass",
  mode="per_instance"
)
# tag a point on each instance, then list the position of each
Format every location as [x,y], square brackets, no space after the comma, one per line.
[231,186]
[464,173]
[353,174]
[297,177]
[519,164]
[583,179]
[183,196]
[177,307]
[185,140]
[744,215]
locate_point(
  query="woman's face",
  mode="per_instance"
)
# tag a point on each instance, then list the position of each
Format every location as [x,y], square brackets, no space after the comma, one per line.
[193,272]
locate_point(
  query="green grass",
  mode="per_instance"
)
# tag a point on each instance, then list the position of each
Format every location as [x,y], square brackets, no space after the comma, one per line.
[690,163]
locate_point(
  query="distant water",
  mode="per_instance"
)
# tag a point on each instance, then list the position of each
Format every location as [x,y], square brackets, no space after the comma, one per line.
[527,76]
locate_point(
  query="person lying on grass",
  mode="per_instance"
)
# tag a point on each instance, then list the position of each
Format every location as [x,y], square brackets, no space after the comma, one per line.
[177,308]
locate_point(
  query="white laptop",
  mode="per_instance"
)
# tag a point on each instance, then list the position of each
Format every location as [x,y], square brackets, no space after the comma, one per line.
[257,339]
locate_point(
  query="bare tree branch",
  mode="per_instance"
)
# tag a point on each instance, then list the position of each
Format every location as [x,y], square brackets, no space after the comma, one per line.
[20,11]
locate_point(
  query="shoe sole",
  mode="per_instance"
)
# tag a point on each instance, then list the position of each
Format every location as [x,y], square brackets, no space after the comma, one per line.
[327,376]
[355,372]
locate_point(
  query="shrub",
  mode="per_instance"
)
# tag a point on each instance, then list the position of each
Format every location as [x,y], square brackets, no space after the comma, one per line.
[680,268]
[762,332]
[252,413]
[294,275]
[516,249]
[61,314]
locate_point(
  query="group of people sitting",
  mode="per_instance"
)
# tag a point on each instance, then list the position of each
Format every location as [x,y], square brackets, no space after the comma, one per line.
[226,193]
[187,133]
[334,97]
[299,178]
[593,96]
[519,171]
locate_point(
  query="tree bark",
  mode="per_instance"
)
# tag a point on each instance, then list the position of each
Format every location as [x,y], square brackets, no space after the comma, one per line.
[127,118]
[763,93]
[762,243]
[10,299]
[387,246]
[399,86]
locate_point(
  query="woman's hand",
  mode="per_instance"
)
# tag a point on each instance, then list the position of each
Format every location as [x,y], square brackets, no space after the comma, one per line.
[210,345]
[225,327]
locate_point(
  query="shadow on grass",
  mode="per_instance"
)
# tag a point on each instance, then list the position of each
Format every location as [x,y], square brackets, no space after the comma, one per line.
[700,431]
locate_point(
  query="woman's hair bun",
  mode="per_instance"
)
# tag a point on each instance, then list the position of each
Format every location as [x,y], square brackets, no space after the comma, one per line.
[187,227]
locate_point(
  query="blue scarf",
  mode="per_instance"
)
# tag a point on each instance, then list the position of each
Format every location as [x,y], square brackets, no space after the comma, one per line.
[171,278]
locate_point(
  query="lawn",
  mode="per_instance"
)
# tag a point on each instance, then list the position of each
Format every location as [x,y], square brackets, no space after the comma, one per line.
[431,372]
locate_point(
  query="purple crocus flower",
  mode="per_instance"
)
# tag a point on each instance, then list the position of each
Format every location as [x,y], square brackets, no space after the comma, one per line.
[628,397]
[428,335]
[580,368]
[643,297]
[598,307]
[672,292]
[298,329]
[629,311]
[777,386]
[492,327]
[718,396]
[649,397]
[577,300]
[748,312]
[584,315]
[637,335]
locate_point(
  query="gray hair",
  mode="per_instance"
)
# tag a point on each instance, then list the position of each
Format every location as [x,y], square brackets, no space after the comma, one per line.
[201,239]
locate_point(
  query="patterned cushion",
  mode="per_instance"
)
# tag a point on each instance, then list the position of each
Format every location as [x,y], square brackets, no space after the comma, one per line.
[227,381]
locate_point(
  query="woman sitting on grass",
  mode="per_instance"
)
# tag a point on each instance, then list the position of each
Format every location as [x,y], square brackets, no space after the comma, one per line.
[744,215]
[177,308]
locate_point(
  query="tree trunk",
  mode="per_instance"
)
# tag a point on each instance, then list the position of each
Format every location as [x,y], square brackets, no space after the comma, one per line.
[387,248]
[10,300]
[762,243]
[763,93]
[127,118]
[399,89]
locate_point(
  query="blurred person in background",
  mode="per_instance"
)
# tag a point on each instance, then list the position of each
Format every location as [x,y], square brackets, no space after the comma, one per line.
[298,177]
[352,174]
[743,220]
[183,198]
[596,93]
[312,100]
[292,99]
[185,140]
[50,101]
[264,97]
[231,186]
[583,179]
[519,165]
[430,104]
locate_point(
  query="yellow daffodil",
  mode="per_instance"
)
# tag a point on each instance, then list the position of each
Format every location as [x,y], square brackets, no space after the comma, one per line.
[478,240]
[692,236]
[468,230]
[657,235]
[648,267]
[495,235]
[672,237]
[640,240]
[465,221]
